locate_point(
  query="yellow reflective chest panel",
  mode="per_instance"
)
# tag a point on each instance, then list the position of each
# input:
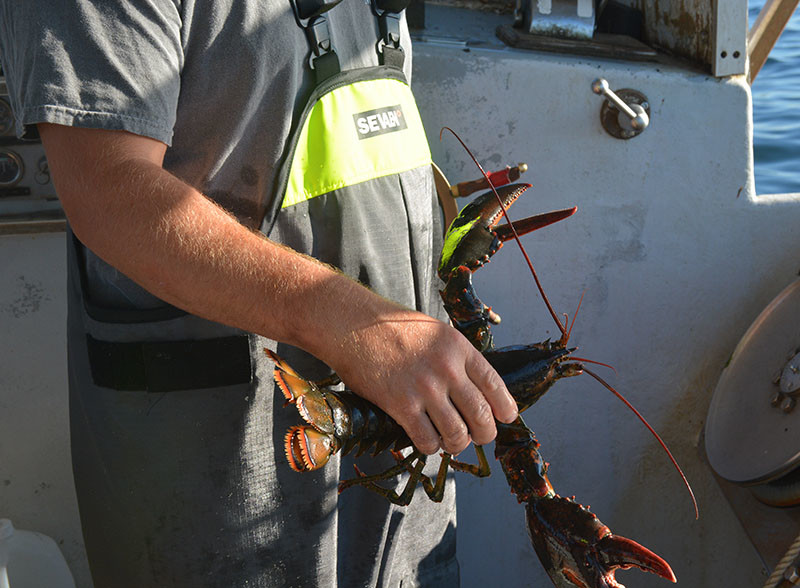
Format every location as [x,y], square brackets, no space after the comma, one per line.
[359,125]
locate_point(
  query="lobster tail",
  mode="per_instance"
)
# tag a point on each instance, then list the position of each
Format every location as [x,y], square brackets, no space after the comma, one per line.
[308,449]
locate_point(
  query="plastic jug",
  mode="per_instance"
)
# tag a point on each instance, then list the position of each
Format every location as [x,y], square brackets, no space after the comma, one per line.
[31,560]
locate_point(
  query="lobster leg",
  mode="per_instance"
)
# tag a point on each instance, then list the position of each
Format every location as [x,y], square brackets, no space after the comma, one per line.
[416,458]
[435,490]
[406,464]
[413,463]
[481,470]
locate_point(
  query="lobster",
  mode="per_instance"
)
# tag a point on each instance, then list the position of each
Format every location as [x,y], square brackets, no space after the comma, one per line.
[575,548]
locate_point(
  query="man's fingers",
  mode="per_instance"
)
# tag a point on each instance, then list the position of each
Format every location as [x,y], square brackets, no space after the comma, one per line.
[475,410]
[462,403]
[423,434]
[491,385]
[451,426]
[428,377]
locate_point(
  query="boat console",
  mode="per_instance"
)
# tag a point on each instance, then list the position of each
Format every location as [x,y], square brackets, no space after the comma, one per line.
[28,202]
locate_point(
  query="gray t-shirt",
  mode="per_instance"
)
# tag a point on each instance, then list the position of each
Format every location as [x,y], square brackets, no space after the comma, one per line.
[219,81]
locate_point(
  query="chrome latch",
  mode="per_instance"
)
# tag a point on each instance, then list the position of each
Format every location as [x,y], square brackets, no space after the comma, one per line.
[625,113]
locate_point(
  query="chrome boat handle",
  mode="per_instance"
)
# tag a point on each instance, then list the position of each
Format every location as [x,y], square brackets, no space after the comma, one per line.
[632,105]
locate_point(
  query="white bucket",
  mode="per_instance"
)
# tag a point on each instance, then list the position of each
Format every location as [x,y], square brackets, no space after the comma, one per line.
[31,560]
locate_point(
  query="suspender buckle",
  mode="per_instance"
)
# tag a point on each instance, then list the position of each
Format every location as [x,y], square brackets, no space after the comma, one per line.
[310,16]
[390,29]
[388,13]
[319,36]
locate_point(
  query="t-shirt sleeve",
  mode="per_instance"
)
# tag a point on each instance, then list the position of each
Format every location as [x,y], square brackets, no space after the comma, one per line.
[105,64]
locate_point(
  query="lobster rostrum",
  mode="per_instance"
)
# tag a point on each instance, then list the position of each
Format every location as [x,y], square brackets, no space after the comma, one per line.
[575,548]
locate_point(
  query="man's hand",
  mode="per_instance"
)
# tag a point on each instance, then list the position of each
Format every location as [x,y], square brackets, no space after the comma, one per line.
[424,374]
[182,247]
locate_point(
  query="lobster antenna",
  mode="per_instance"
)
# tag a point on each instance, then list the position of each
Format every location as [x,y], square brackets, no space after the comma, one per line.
[584,360]
[569,332]
[575,316]
[552,312]
[656,435]
[563,326]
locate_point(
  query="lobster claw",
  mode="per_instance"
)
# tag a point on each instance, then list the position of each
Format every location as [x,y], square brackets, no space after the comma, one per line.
[473,237]
[577,550]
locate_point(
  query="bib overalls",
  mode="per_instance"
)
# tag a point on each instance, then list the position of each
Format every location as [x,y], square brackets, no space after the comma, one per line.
[177,429]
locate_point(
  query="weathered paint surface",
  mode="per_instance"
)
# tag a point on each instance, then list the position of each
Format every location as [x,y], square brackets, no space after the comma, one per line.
[36,487]
[683,27]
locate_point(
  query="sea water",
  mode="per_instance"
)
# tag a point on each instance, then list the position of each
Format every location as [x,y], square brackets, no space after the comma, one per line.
[776,112]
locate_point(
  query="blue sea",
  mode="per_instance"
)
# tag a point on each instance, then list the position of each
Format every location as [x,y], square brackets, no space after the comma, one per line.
[776,112]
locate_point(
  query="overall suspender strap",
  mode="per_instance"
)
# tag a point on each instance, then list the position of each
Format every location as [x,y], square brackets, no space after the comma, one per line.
[357,126]
[310,16]
[388,12]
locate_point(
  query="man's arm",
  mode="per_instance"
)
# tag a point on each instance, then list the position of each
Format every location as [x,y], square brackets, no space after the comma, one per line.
[183,248]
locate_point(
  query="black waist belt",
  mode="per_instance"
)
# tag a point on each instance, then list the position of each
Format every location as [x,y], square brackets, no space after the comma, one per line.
[169,366]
